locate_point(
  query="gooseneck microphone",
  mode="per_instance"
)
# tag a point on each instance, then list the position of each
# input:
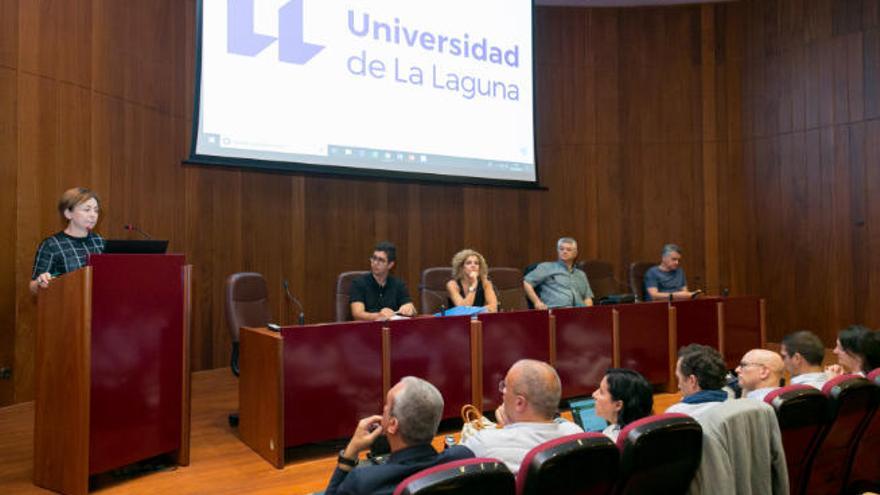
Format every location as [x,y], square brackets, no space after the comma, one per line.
[133,228]
[301,320]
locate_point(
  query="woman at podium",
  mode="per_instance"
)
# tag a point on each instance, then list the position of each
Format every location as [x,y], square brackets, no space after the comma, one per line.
[69,249]
[470,284]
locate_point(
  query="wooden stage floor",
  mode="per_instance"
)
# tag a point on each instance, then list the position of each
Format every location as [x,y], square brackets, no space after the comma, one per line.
[220,462]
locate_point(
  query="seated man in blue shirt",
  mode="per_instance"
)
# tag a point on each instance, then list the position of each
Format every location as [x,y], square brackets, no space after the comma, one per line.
[409,420]
[559,284]
[667,278]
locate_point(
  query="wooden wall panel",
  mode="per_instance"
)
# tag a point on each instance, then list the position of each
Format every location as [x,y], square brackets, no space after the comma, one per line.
[8,194]
[9,33]
[631,105]
[810,160]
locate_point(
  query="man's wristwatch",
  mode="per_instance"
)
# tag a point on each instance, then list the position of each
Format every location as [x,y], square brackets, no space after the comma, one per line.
[345,461]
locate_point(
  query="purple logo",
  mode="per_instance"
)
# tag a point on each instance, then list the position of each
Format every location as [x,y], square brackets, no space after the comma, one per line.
[243,40]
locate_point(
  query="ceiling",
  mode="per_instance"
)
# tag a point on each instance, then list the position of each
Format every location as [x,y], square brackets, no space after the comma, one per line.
[621,3]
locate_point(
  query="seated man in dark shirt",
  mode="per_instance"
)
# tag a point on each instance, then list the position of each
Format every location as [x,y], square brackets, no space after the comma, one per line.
[667,278]
[409,420]
[378,295]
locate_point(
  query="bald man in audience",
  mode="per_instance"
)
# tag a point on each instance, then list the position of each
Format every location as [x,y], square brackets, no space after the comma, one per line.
[759,372]
[531,391]
[802,354]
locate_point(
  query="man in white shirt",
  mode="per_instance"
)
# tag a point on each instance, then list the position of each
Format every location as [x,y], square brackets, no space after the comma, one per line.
[531,391]
[700,372]
[759,372]
[802,354]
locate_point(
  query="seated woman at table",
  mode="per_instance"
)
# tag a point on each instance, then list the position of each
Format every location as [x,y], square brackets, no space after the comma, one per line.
[69,249]
[470,284]
[850,352]
[623,396]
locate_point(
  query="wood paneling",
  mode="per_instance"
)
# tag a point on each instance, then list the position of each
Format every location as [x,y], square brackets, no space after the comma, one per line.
[8,193]
[810,157]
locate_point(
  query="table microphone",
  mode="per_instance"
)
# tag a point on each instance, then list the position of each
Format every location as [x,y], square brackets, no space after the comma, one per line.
[302,314]
[133,228]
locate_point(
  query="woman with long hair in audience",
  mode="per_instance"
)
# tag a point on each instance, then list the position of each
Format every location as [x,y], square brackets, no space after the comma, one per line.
[69,249]
[470,284]
[850,352]
[623,396]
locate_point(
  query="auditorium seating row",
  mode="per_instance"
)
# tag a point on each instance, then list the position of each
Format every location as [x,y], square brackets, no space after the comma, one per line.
[585,463]
[507,283]
[830,437]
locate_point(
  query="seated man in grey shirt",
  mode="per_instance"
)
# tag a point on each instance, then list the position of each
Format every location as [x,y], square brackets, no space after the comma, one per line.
[802,354]
[667,279]
[559,284]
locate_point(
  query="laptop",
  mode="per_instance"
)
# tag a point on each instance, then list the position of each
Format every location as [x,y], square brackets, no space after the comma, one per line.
[138,246]
[583,411]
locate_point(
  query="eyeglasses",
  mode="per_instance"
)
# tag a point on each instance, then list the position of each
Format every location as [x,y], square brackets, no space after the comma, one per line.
[378,260]
[744,364]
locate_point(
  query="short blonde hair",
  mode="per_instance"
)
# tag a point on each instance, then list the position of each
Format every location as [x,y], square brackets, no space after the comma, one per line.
[462,256]
[74,197]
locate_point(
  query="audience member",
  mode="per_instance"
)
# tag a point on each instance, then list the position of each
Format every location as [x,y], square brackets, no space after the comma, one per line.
[531,391]
[379,295]
[558,284]
[802,354]
[668,277]
[760,372]
[470,284]
[700,372]
[849,352]
[623,397]
[412,412]
[871,349]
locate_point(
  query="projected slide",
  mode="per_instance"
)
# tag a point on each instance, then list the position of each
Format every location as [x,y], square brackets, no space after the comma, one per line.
[438,88]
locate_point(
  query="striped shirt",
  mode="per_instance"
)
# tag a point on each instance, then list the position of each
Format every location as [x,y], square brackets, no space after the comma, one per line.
[64,253]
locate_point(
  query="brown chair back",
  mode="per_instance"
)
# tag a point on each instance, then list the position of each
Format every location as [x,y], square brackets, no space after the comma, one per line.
[247,302]
[247,305]
[508,284]
[600,274]
[433,288]
[343,287]
[637,278]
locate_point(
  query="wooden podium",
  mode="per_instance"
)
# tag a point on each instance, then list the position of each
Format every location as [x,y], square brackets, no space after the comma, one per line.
[112,374]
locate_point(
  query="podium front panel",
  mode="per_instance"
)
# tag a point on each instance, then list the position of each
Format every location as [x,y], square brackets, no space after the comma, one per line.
[742,327]
[644,340]
[438,350]
[584,347]
[332,379]
[507,338]
[696,322]
[136,365]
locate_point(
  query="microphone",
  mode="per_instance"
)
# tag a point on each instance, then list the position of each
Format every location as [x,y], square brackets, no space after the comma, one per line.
[302,314]
[133,228]
[433,294]
[725,292]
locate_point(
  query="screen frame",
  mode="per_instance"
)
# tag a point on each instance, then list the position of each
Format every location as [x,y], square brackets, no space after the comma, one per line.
[303,168]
